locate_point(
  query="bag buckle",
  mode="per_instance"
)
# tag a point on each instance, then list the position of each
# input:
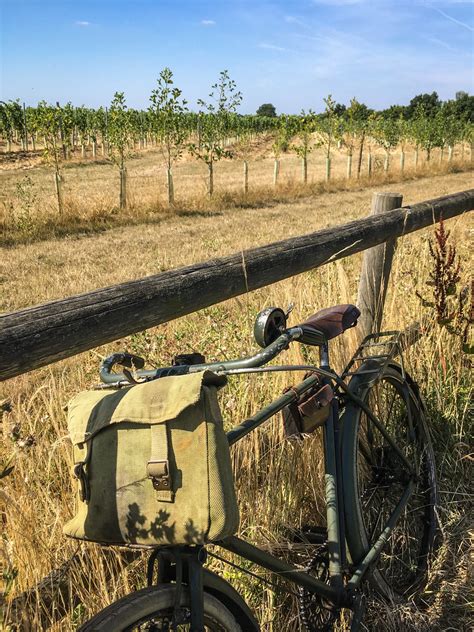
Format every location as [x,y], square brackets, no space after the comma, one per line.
[80,474]
[159,472]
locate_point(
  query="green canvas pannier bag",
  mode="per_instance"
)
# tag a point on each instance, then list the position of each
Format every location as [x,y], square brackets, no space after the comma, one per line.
[153,464]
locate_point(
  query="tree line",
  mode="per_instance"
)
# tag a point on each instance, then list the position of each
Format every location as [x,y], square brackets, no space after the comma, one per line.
[212,133]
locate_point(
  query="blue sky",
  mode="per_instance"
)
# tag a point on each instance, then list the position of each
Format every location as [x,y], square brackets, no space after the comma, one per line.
[291,53]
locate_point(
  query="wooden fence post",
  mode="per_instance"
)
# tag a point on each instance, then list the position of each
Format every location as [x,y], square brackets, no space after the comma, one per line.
[375,271]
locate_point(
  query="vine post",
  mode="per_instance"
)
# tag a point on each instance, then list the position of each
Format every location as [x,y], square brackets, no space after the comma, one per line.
[375,273]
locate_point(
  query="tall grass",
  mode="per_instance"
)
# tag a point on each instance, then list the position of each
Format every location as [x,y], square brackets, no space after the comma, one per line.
[279,483]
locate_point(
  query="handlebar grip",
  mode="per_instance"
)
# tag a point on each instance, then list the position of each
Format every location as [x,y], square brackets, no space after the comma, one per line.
[311,336]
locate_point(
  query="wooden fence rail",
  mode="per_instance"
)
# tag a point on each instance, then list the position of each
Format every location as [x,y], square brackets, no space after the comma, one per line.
[41,335]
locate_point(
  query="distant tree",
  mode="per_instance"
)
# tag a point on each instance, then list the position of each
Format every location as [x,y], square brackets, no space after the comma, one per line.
[394,112]
[386,133]
[339,109]
[216,119]
[49,125]
[330,130]
[353,132]
[267,109]
[281,143]
[462,106]
[168,118]
[304,127]
[430,103]
[119,130]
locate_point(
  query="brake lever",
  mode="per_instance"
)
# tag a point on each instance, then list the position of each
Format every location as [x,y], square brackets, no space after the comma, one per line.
[289,309]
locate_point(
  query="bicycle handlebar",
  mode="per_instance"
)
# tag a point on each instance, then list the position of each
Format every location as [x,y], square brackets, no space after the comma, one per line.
[128,360]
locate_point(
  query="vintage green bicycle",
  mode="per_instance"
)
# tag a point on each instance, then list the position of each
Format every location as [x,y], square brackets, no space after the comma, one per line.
[379,481]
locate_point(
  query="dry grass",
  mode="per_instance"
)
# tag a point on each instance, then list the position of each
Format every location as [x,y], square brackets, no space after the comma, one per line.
[28,206]
[278,484]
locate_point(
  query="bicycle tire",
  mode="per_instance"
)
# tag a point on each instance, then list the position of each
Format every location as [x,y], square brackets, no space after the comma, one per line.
[372,470]
[146,606]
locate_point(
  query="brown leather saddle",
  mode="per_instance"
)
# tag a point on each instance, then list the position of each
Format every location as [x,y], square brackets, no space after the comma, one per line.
[332,321]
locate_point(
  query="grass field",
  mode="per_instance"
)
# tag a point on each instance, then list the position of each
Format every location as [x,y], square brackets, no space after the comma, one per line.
[28,205]
[278,483]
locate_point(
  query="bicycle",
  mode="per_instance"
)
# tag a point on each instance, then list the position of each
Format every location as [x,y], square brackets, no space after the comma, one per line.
[380,489]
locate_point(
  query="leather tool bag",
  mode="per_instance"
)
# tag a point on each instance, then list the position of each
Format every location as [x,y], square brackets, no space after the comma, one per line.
[308,412]
[152,464]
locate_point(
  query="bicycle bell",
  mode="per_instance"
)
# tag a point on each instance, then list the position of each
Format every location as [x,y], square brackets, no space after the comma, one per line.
[269,324]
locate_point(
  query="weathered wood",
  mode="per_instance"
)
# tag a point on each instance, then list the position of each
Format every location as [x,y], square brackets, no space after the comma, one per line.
[349,166]
[376,267]
[170,186]
[40,335]
[276,171]
[123,187]
[328,169]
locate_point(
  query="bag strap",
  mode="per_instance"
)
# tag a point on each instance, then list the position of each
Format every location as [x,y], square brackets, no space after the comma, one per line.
[158,467]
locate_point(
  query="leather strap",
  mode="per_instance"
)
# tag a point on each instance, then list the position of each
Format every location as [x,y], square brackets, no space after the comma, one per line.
[158,467]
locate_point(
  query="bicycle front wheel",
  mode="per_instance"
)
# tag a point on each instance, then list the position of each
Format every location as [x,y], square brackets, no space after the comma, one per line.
[152,609]
[375,479]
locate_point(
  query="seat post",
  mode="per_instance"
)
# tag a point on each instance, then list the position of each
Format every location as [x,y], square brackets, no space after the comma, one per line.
[324,356]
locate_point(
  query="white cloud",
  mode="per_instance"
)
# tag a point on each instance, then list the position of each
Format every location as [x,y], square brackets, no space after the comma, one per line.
[291,19]
[82,23]
[272,47]
[449,17]
[208,23]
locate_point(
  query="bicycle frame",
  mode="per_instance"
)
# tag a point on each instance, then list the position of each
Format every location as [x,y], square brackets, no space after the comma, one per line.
[342,589]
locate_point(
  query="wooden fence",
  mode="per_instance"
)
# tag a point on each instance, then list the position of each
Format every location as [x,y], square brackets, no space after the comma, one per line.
[41,335]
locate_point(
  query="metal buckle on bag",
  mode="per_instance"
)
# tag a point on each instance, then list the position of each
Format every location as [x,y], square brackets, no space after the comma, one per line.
[159,472]
[79,473]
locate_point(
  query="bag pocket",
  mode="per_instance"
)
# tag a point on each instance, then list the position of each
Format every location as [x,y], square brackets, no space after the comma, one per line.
[308,412]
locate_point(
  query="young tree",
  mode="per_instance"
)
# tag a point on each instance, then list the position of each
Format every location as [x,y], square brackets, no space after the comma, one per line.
[303,127]
[12,122]
[330,130]
[49,125]
[425,131]
[280,144]
[353,132]
[386,133]
[83,127]
[404,134]
[216,115]
[168,120]
[119,129]
[450,130]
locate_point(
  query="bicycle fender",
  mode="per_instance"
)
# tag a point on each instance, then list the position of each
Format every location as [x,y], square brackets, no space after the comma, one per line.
[226,593]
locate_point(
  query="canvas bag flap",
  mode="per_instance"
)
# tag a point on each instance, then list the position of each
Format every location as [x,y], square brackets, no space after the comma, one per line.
[151,403]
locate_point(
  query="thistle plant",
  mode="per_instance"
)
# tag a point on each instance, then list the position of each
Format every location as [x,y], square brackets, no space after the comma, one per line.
[452,306]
